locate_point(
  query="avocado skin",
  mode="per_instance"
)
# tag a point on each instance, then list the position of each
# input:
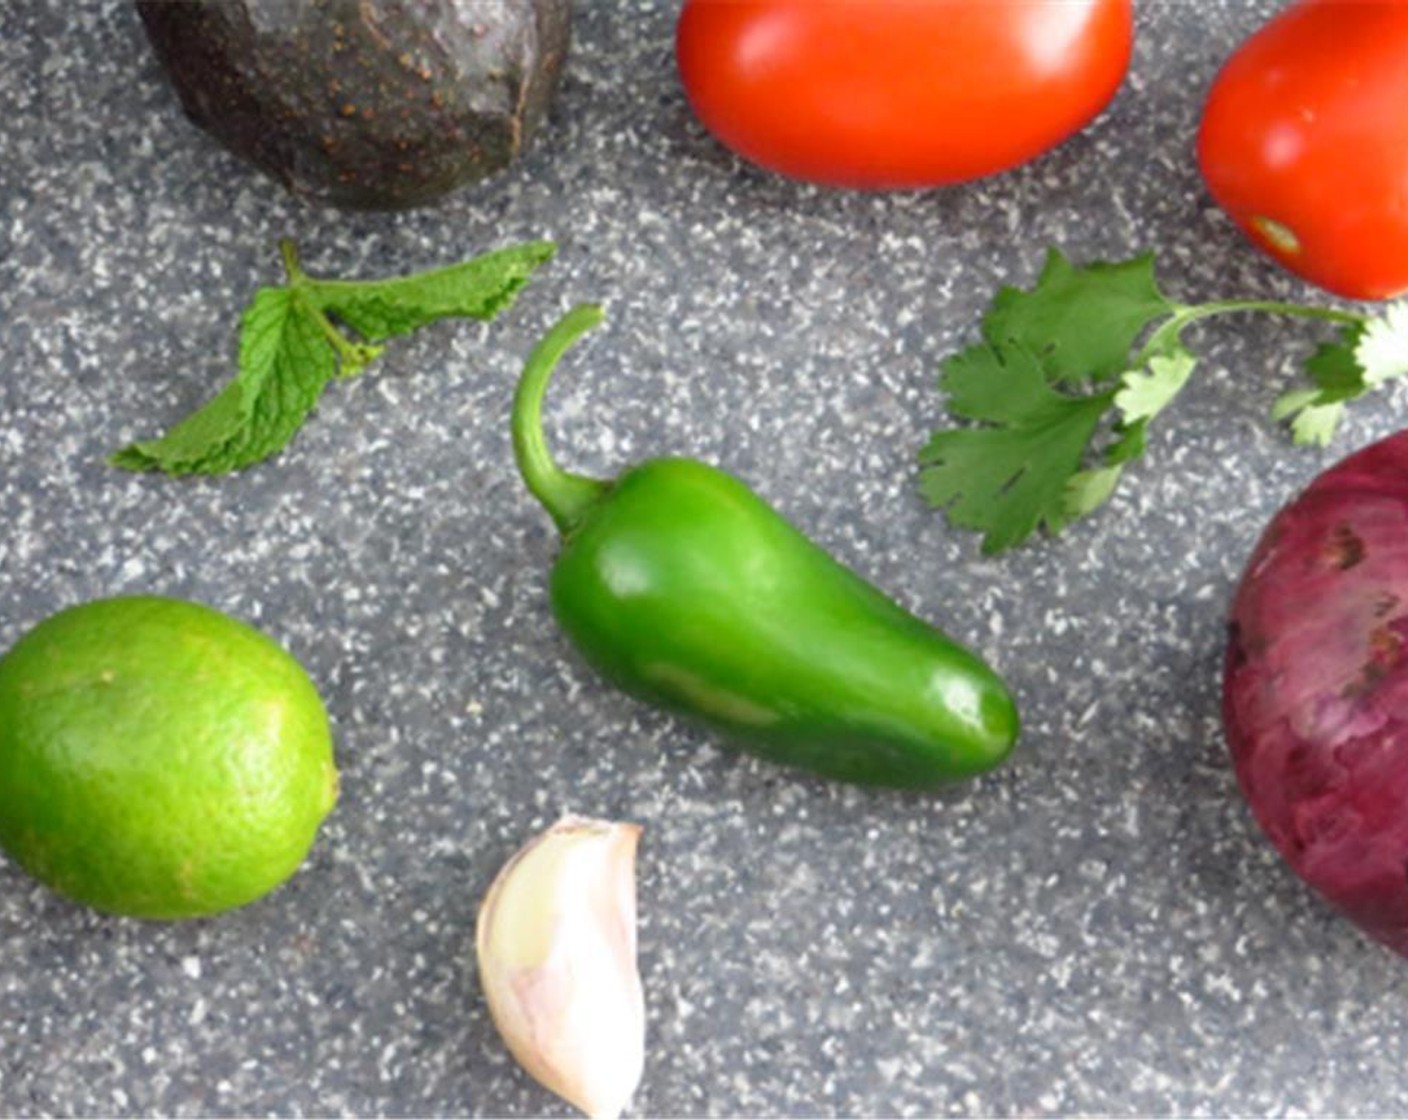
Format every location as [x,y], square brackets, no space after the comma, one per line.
[366,104]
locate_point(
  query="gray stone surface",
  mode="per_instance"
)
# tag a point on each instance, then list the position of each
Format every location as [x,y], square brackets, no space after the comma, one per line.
[1097,928]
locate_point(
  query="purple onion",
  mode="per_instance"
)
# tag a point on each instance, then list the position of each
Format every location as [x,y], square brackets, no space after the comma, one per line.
[1315,692]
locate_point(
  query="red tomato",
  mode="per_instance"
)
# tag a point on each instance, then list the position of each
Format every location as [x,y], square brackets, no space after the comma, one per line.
[1304,142]
[899,93]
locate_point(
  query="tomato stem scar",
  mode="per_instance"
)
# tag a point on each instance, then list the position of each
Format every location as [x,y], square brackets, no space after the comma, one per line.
[1281,237]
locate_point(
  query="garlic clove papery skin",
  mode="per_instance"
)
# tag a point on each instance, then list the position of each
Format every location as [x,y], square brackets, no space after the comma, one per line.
[556,944]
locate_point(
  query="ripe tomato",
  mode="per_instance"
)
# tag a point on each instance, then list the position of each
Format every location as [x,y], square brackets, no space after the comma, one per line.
[1304,142]
[899,93]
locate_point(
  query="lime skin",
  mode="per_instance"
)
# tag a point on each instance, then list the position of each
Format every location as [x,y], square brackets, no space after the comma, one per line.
[159,759]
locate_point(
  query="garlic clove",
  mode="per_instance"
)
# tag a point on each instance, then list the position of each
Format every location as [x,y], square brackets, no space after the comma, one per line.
[556,944]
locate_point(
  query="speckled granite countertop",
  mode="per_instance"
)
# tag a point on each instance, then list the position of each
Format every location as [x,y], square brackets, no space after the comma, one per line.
[1097,928]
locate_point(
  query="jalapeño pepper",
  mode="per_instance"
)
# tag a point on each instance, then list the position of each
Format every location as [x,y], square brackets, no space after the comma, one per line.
[685,589]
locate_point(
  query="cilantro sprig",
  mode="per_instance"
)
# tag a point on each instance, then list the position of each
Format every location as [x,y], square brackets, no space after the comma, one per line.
[307,332]
[1069,375]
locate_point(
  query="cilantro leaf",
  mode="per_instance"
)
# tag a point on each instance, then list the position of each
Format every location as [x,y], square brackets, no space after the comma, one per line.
[1087,490]
[1132,442]
[289,351]
[1008,477]
[1025,468]
[994,384]
[1145,393]
[1313,417]
[1382,349]
[285,360]
[1081,322]
[1364,356]
[1334,369]
[1050,437]
[476,289]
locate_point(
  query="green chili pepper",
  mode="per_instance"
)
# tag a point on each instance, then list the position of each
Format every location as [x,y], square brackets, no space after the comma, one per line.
[685,589]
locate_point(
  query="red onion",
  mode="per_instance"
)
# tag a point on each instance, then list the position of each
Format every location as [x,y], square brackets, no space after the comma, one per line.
[1315,693]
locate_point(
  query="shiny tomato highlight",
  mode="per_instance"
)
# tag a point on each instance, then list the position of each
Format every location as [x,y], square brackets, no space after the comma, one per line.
[1304,142]
[899,93]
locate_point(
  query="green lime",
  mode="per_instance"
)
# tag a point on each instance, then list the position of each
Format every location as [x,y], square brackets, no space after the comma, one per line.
[158,758]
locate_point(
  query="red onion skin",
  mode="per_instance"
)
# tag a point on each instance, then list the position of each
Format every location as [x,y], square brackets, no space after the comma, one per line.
[1315,688]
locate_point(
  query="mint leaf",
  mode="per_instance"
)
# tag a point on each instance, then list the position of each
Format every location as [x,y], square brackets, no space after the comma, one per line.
[290,350]
[285,360]
[1081,322]
[1008,477]
[476,289]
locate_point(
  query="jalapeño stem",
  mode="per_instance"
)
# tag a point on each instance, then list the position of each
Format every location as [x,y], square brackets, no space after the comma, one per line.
[566,496]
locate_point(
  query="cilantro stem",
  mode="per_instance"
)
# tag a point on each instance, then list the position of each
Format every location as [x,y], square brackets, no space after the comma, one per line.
[1046,350]
[1185,315]
[1272,307]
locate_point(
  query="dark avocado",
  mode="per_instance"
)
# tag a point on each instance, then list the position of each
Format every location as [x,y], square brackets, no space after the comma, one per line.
[372,104]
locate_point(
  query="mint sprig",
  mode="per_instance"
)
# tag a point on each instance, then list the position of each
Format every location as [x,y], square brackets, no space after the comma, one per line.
[294,340]
[1069,374]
